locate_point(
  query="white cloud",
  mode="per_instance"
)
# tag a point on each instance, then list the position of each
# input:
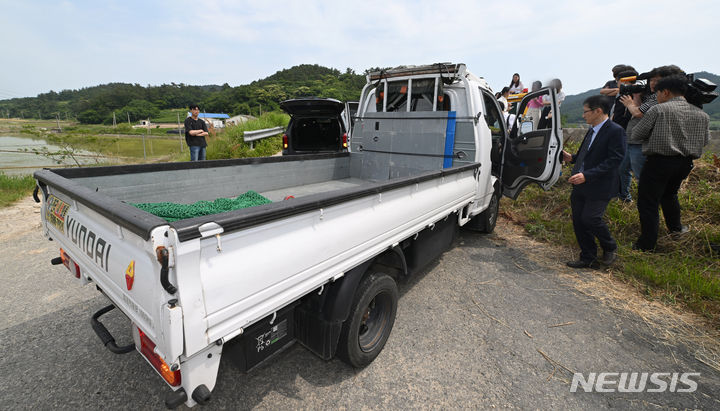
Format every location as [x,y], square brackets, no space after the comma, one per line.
[82,43]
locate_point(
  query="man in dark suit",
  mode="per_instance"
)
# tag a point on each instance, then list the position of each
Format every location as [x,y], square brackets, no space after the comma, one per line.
[595,181]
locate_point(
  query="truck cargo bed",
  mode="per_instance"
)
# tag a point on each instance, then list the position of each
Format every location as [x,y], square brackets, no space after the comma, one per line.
[312,181]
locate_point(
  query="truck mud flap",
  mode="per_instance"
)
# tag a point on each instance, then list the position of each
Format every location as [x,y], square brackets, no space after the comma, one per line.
[107,339]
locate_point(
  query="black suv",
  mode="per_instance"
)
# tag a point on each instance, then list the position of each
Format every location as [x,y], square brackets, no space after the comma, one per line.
[316,125]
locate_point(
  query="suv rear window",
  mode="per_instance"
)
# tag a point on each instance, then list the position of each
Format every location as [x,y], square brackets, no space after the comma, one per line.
[316,134]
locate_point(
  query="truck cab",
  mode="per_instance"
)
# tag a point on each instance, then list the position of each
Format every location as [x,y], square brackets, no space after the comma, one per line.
[439,116]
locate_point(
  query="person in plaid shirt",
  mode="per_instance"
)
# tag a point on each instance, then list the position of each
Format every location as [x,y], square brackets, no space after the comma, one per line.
[673,134]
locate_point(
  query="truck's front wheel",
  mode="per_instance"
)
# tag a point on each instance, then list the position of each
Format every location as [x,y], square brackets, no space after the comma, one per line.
[371,319]
[485,221]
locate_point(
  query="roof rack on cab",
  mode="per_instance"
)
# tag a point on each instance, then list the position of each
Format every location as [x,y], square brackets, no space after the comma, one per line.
[448,71]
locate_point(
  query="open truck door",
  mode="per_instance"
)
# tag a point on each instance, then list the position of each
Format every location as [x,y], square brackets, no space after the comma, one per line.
[533,149]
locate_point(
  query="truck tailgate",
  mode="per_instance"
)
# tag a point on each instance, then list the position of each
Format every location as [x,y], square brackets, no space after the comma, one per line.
[122,264]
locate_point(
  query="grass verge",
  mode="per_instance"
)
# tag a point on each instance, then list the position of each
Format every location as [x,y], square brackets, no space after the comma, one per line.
[13,188]
[683,271]
[230,143]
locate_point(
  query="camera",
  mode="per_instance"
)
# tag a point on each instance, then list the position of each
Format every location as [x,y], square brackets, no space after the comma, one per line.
[639,87]
[700,91]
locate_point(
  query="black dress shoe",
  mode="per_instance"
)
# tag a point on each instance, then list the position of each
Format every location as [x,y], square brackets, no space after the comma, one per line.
[637,247]
[609,257]
[683,230]
[580,264]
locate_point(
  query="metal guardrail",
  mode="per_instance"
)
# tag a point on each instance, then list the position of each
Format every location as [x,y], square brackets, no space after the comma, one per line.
[255,135]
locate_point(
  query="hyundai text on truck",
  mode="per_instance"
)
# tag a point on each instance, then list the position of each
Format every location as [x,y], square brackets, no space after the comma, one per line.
[430,152]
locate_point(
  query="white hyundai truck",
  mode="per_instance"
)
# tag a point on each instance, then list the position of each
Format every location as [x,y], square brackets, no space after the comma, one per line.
[430,152]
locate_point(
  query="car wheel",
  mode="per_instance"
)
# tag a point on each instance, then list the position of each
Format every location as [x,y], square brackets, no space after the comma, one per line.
[485,222]
[370,322]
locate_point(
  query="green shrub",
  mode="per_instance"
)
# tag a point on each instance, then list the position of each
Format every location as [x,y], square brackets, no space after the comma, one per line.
[13,188]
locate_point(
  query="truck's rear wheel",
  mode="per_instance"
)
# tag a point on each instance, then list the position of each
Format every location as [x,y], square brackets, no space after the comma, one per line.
[371,319]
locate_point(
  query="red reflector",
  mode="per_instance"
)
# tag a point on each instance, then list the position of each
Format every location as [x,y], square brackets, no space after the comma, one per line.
[345,140]
[68,262]
[147,348]
[285,141]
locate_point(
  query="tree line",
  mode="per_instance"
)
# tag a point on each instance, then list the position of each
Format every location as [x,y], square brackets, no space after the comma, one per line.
[95,105]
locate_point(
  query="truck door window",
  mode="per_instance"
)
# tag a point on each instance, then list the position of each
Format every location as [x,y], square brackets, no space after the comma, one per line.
[493,117]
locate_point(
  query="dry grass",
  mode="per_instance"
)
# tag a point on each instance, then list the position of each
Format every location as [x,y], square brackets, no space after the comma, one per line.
[670,324]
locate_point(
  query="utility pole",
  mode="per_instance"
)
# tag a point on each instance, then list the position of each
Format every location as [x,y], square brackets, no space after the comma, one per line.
[179,134]
[114,120]
[149,139]
[129,120]
[57,117]
[144,152]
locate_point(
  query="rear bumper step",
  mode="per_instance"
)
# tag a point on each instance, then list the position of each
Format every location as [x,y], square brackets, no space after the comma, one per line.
[107,339]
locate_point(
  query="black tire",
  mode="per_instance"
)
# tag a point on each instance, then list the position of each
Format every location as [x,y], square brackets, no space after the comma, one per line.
[485,222]
[370,322]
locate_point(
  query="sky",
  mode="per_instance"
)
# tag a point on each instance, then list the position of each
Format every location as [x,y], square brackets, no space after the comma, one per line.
[57,45]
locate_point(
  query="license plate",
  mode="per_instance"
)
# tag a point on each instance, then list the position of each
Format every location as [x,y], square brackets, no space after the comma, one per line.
[55,212]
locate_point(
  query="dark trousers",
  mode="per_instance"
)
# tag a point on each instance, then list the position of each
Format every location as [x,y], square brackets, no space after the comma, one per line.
[660,181]
[588,223]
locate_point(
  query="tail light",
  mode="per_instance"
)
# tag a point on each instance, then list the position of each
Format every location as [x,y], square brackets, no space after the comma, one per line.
[69,263]
[345,140]
[285,141]
[147,348]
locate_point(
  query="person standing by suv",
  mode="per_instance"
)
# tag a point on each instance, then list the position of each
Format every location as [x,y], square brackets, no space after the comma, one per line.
[195,133]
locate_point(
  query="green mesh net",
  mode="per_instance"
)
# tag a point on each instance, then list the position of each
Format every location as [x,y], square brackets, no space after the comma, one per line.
[174,212]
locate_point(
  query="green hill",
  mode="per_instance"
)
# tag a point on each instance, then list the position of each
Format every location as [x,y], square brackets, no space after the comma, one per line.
[97,104]
[572,106]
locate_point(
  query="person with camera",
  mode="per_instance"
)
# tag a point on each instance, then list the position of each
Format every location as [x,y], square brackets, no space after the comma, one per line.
[595,179]
[673,134]
[611,88]
[638,100]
